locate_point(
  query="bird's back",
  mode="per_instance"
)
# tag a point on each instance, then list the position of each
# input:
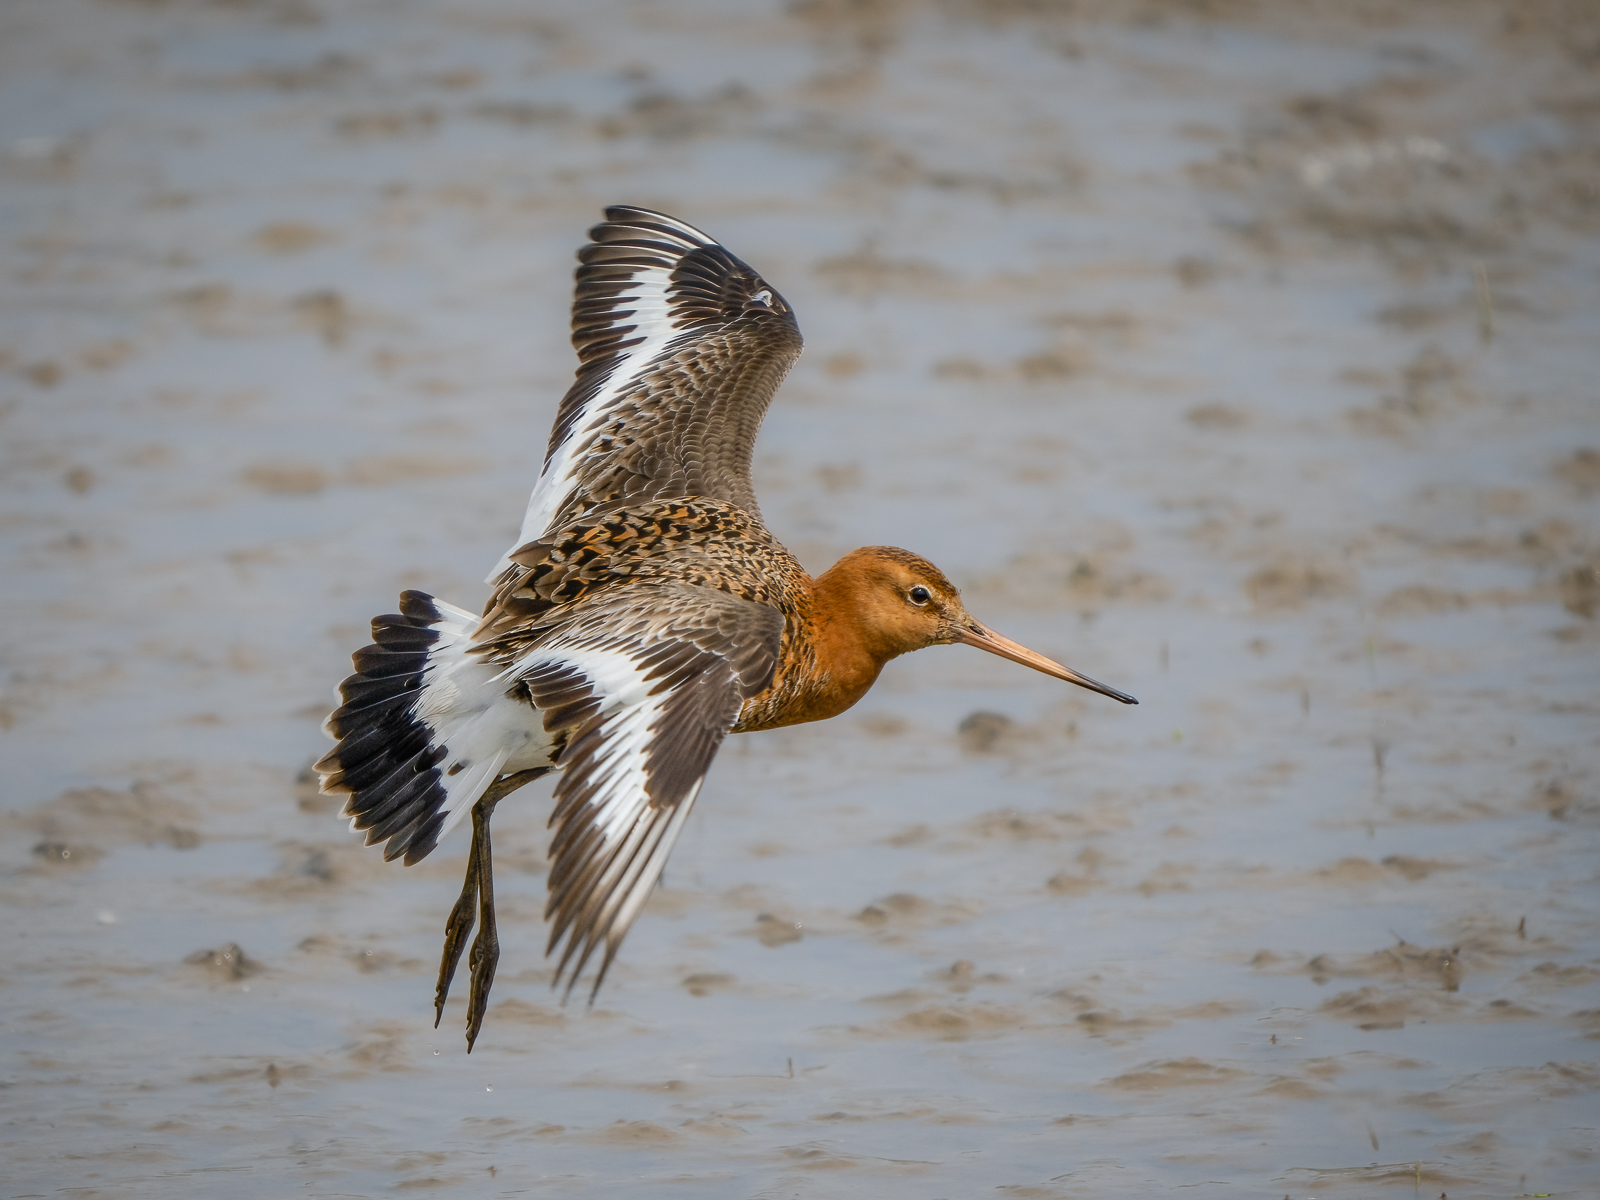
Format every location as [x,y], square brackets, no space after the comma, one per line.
[622,557]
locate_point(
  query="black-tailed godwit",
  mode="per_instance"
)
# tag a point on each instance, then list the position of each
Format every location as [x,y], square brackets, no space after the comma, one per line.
[642,615]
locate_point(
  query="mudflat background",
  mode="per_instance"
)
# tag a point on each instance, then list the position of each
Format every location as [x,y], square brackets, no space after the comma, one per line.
[1239,354]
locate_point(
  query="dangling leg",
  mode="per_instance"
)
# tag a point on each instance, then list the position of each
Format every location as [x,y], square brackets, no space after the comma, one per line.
[477,891]
[486,946]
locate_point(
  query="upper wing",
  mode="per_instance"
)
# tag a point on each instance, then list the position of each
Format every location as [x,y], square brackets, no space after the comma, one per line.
[681,347]
[648,695]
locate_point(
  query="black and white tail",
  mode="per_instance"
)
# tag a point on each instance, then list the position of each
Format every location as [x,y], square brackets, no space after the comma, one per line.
[423,729]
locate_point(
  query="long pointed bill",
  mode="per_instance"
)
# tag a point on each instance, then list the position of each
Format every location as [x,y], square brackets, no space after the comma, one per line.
[987,639]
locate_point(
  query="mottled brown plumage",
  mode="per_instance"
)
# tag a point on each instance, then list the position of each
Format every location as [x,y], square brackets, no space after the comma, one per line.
[645,613]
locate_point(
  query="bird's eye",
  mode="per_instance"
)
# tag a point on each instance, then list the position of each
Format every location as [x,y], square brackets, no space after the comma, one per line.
[919,595]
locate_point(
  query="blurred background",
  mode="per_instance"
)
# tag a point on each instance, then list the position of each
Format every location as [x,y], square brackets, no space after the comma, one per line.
[1241,354]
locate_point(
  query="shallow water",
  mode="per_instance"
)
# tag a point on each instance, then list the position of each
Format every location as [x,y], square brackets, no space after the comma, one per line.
[1244,363]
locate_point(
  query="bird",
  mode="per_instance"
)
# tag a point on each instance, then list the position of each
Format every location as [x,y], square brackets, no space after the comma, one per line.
[643,613]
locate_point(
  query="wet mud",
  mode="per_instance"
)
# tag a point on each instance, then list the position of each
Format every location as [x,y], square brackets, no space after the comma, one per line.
[1240,354]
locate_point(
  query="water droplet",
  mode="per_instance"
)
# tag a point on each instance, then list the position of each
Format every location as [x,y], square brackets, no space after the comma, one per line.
[489,1088]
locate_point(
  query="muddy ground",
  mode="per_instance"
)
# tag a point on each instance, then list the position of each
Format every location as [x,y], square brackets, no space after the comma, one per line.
[1242,355]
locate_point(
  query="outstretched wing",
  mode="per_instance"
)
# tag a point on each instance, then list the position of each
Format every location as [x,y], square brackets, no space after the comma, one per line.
[681,347]
[648,694]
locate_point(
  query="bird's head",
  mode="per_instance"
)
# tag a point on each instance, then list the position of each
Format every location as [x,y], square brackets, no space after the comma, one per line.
[901,602]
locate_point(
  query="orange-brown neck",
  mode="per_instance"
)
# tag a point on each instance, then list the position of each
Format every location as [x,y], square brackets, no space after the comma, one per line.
[833,651]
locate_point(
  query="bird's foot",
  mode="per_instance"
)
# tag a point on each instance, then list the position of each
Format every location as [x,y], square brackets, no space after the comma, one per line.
[483,960]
